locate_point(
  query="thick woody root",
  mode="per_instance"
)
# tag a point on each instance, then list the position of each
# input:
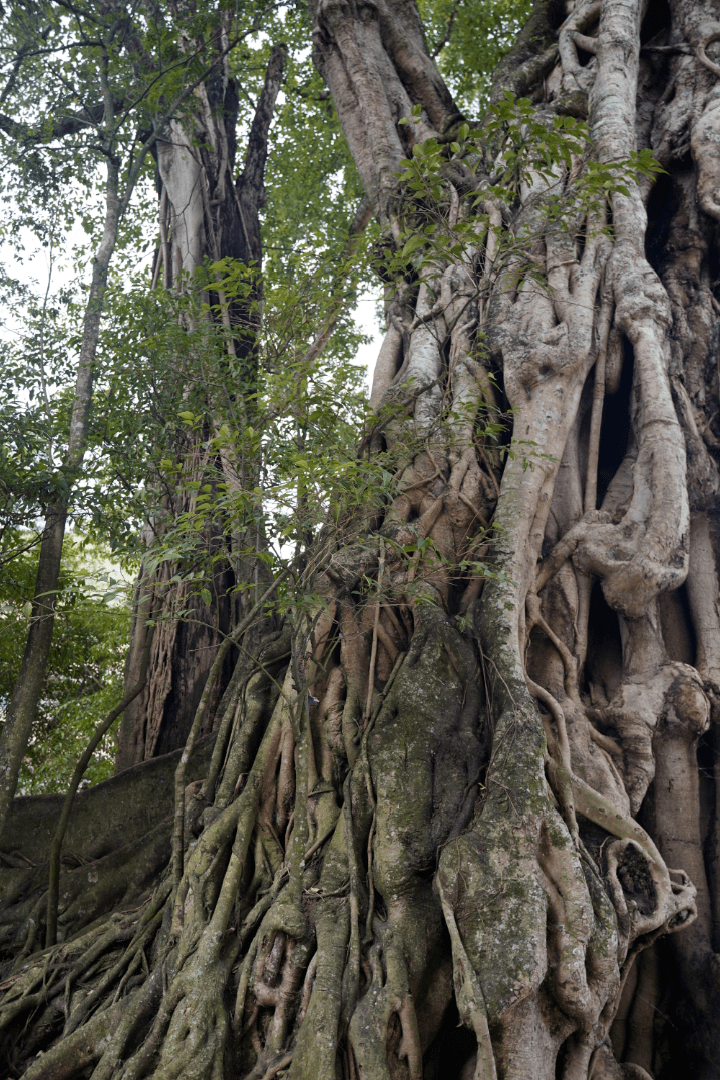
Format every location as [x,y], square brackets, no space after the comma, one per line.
[235,896]
[548,927]
[277,982]
[381,861]
[532,929]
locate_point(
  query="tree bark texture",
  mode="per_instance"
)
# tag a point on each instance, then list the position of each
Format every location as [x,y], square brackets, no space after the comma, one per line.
[457,826]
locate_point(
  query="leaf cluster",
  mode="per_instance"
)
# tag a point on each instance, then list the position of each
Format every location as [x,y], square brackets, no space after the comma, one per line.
[536,167]
[87,656]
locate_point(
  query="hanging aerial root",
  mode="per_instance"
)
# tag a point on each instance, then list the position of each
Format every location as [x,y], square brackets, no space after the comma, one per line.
[181,771]
[559,752]
[468,994]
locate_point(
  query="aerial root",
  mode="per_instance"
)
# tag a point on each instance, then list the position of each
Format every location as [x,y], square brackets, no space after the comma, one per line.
[60,969]
[703,56]
[536,618]
[570,926]
[279,972]
[675,898]
[129,955]
[558,757]
[468,994]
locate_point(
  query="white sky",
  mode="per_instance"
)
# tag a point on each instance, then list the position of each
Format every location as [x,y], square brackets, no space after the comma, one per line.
[367,322]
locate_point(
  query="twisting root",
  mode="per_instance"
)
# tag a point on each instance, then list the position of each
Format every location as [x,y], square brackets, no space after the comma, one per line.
[536,618]
[703,56]
[468,994]
[558,755]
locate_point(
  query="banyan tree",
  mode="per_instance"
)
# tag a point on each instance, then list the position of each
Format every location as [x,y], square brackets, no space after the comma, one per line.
[457,813]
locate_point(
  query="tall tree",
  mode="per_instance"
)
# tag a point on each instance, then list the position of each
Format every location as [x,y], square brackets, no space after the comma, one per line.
[93,104]
[207,214]
[462,818]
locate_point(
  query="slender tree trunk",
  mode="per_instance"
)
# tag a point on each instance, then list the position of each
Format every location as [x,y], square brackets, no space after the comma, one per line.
[31,678]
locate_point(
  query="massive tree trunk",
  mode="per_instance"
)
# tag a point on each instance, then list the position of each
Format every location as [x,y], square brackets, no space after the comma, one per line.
[470,828]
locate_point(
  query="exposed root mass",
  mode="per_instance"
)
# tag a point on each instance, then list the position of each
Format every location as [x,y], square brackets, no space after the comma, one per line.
[453,823]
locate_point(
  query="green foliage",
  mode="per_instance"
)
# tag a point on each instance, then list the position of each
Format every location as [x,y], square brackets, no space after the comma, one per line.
[215,445]
[469,40]
[525,149]
[85,673]
[312,182]
[55,182]
[193,433]
[36,374]
[549,159]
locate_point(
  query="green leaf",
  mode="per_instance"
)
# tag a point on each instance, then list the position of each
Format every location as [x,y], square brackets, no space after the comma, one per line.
[412,244]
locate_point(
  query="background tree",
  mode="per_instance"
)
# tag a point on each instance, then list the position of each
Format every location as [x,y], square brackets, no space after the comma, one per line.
[94,95]
[86,663]
[206,214]
[447,787]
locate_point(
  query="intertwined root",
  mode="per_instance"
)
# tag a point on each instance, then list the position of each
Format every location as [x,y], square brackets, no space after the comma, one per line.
[443,880]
